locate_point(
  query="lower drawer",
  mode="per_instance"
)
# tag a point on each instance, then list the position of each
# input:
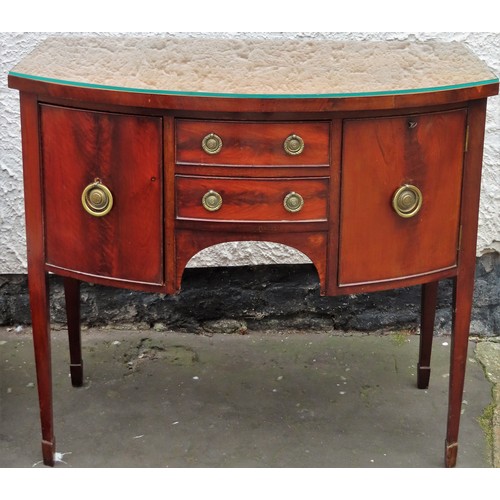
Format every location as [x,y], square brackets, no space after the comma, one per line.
[236,199]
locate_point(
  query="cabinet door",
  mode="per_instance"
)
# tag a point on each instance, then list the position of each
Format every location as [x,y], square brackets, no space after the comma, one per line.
[122,152]
[379,156]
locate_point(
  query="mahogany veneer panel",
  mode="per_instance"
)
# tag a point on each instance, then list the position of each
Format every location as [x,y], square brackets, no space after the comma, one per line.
[252,199]
[380,155]
[124,152]
[252,143]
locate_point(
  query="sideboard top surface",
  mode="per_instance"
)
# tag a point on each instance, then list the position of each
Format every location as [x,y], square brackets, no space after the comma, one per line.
[255,68]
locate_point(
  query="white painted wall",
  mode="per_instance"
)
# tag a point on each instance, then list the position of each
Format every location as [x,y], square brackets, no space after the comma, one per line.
[13,46]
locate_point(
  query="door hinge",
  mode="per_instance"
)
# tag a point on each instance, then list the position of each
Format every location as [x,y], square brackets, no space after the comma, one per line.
[466,145]
[459,237]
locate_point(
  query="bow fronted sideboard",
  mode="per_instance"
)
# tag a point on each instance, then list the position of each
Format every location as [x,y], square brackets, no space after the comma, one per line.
[140,152]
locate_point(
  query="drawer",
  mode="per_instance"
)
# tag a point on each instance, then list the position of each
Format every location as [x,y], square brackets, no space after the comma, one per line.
[124,153]
[400,196]
[252,143]
[236,199]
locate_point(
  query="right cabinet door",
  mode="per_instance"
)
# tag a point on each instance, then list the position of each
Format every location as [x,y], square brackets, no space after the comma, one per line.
[400,196]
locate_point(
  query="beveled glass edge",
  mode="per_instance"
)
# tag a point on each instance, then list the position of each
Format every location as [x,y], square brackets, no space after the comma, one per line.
[250,95]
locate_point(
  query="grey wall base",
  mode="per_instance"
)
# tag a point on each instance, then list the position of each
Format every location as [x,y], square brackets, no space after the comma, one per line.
[259,298]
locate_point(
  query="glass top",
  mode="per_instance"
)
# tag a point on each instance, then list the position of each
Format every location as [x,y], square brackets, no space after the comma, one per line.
[254,68]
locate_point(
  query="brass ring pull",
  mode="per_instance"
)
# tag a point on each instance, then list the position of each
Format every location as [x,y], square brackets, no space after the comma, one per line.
[211,201]
[293,145]
[97,199]
[211,144]
[293,202]
[407,201]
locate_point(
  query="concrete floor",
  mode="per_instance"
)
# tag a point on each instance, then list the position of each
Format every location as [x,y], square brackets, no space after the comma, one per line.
[282,399]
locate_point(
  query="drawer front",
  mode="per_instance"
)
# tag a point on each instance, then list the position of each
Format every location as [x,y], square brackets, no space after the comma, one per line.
[124,153]
[230,199]
[410,165]
[254,143]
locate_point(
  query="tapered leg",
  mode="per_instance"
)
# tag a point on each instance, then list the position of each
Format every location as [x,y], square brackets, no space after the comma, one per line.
[427,315]
[39,300]
[72,298]
[464,282]
[462,307]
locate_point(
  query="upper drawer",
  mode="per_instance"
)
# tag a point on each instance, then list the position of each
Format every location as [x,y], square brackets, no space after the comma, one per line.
[252,143]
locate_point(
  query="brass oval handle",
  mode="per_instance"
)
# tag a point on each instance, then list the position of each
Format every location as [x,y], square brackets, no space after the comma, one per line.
[211,144]
[293,145]
[293,202]
[407,201]
[97,199]
[211,201]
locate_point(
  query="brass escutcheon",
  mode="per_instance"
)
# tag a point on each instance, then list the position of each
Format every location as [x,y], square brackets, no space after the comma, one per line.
[293,202]
[407,201]
[293,145]
[97,199]
[211,144]
[211,201]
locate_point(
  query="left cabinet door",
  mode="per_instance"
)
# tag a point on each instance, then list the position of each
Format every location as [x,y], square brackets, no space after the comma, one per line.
[121,155]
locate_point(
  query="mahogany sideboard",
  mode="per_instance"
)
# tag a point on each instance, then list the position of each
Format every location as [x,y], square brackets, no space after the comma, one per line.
[140,152]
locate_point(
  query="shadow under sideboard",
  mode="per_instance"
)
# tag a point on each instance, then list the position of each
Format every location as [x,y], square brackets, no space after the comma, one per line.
[265,297]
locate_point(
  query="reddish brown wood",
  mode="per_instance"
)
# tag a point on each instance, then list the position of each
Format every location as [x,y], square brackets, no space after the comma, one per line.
[312,244]
[334,207]
[233,114]
[72,299]
[253,105]
[358,151]
[259,172]
[404,281]
[251,199]
[251,227]
[37,278]
[169,203]
[427,314]
[124,152]
[252,143]
[106,280]
[379,156]
[464,282]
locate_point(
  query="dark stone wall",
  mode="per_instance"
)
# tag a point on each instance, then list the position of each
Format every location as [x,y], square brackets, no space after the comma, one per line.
[259,298]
